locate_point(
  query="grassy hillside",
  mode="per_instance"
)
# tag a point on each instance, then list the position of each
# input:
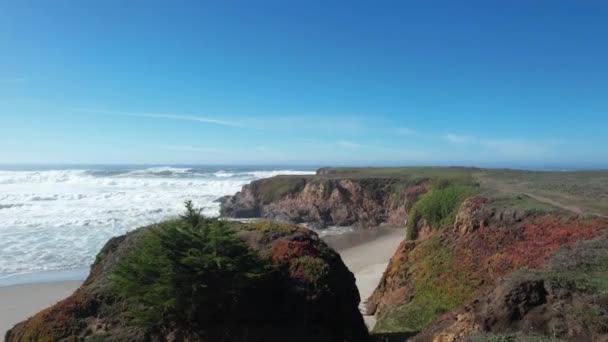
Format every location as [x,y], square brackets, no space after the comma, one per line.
[581,192]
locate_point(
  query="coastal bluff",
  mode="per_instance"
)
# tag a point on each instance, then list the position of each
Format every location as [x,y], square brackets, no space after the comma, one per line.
[332,197]
[495,269]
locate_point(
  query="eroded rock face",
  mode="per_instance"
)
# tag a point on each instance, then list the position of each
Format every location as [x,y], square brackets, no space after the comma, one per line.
[564,300]
[308,295]
[470,216]
[476,212]
[242,206]
[393,288]
[324,202]
[429,278]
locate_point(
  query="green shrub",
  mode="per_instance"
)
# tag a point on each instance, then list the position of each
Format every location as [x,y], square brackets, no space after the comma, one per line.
[397,196]
[275,188]
[327,188]
[509,337]
[438,207]
[185,270]
[432,294]
[270,227]
[312,269]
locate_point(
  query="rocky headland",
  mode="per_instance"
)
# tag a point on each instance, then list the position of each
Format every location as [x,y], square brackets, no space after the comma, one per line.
[329,199]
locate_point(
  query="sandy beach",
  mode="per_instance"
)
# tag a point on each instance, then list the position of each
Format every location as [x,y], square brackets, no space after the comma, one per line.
[368,257]
[22,301]
[365,252]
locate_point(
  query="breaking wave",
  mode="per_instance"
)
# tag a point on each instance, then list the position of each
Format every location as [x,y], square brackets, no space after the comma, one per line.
[59,219]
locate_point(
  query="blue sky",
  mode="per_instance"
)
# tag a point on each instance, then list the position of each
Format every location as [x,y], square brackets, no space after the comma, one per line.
[488,83]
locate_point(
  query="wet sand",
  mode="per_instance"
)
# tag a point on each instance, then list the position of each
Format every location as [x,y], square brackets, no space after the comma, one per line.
[19,302]
[367,257]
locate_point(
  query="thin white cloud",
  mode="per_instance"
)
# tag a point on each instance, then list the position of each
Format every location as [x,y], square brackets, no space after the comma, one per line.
[511,148]
[188,148]
[349,144]
[459,139]
[263,148]
[515,148]
[167,116]
[381,150]
[352,125]
[405,131]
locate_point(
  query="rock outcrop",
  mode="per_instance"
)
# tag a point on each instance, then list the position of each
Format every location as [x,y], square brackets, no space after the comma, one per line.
[471,215]
[326,201]
[565,300]
[430,278]
[301,291]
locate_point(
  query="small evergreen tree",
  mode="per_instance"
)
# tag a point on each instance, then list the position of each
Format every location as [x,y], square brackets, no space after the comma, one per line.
[187,271]
[192,216]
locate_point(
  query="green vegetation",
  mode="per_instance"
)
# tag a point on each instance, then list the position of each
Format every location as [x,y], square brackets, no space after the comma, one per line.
[269,227]
[406,318]
[438,207]
[272,189]
[438,287]
[184,270]
[578,191]
[512,337]
[583,269]
[401,172]
[327,188]
[520,201]
[397,196]
[312,269]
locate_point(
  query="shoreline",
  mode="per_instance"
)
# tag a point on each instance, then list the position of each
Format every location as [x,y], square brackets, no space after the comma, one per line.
[368,261]
[22,301]
[365,252]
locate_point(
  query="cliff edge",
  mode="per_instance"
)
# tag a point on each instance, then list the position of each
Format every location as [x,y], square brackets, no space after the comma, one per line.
[496,268]
[337,197]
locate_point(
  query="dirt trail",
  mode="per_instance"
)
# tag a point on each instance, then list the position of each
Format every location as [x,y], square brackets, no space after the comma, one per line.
[554,203]
[507,188]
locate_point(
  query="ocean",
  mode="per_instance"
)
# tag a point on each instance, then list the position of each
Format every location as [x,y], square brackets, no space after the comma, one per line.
[54,220]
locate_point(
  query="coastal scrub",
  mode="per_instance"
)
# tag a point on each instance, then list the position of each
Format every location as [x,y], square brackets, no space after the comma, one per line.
[438,207]
[185,270]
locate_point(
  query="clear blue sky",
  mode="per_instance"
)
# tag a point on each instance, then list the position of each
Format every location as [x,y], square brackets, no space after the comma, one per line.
[490,83]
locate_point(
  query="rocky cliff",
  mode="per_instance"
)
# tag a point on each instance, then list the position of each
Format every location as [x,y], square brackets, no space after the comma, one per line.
[567,299]
[327,200]
[462,258]
[208,281]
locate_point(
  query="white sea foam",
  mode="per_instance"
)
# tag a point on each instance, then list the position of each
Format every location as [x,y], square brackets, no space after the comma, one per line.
[59,219]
